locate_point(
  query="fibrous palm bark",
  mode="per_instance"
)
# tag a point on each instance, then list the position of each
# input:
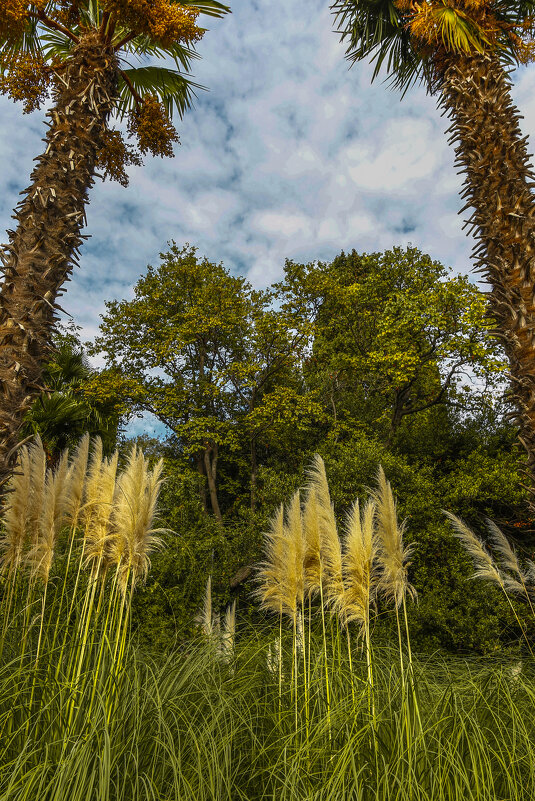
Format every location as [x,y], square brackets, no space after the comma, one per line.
[42,250]
[491,151]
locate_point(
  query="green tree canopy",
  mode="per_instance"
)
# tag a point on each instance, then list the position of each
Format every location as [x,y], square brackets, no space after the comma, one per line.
[208,356]
[393,335]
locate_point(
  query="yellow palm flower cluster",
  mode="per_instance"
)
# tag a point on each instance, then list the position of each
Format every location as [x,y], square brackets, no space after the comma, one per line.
[13,17]
[165,22]
[153,128]
[26,77]
[465,26]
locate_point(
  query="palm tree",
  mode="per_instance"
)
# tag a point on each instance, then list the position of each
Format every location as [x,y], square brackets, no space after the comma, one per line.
[65,410]
[462,51]
[79,52]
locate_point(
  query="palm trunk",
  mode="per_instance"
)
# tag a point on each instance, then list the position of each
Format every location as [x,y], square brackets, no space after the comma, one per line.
[492,153]
[43,249]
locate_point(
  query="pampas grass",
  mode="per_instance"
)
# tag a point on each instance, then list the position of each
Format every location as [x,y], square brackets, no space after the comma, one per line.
[393,553]
[330,551]
[359,566]
[95,718]
[59,529]
[504,570]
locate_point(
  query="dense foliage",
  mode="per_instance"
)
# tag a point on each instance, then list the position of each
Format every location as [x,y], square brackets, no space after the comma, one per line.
[373,359]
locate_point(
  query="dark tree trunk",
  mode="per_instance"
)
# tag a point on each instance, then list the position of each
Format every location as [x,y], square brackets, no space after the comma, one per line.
[254,473]
[43,249]
[492,153]
[202,484]
[210,464]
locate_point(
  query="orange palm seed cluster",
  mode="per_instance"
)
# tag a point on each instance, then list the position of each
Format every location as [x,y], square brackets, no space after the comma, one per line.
[164,21]
[114,156]
[153,128]
[25,77]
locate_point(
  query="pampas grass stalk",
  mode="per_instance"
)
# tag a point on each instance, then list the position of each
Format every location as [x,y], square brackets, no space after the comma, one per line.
[393,584]
[134,539]
[359,563]
[393,555]
[14,538]
[324,533]
[228,633]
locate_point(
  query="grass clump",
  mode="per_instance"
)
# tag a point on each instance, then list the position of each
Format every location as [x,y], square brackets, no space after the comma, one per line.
[311,708]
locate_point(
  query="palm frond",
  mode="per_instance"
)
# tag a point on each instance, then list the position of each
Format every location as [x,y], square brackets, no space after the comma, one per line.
[55,44]
[210,8]
[171,87]
[144,47]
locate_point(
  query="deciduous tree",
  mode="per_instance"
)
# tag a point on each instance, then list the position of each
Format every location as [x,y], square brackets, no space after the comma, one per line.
[208,356]
[392,336]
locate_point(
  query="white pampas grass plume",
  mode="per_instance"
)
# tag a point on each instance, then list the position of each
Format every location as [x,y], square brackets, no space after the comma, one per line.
[135,509]
[330,548]
[514,580]
[281,576]
[92,482]
[205,617]
[311,527]
[271,573]
[76,481]
[16,514]
[41,556]
[99,524]
[228,632]
[61,490]
[359,557]
[393,555]
[485,567]
[295,551]
[38,471]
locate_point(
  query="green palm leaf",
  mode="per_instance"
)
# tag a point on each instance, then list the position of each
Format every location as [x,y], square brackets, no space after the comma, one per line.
[172,88]
[376,29]
[208,7]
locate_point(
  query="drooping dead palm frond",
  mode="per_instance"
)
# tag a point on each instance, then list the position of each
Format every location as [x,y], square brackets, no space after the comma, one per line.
[393,555]
[485,568]
[330,548]
[360,553]
[15,516]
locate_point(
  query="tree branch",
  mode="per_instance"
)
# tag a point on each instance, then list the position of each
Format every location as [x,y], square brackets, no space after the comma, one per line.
[137,97]
[50,23]
[124,41]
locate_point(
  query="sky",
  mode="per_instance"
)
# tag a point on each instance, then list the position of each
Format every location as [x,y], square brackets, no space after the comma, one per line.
[290,154]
